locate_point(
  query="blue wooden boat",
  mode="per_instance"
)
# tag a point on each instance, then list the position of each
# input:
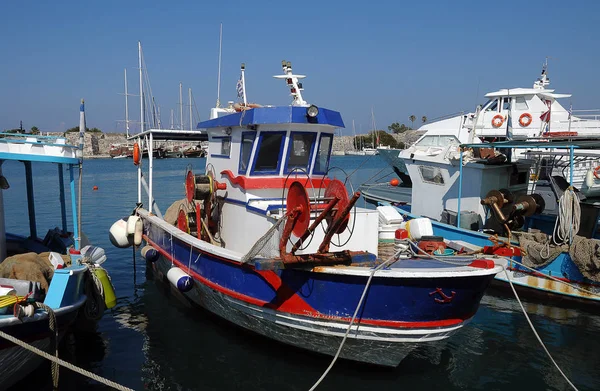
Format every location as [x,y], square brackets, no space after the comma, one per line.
[268,241]
[75,290]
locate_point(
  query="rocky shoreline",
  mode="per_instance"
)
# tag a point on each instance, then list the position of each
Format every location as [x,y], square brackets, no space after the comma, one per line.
[97,145]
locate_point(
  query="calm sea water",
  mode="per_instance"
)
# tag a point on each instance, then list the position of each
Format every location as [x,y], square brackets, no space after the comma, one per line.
[152,341]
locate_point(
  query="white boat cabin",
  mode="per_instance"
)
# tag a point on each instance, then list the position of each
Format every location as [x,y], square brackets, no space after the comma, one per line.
[518,113]
[258,153]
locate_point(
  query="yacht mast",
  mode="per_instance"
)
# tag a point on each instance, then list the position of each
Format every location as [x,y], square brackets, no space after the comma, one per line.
[190,101]
[180,108]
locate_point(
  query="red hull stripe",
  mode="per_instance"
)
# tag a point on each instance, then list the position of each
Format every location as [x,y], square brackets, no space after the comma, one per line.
[270,183]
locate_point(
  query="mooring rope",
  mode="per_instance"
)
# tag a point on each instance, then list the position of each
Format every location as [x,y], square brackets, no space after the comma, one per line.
[63,363]
[388,262]
[53,341]
[524,313]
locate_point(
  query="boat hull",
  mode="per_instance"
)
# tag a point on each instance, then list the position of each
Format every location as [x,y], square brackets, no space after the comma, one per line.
[311,308]
[17,362]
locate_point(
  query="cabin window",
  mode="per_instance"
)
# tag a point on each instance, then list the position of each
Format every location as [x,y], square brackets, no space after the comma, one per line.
[322,161]
[521,104]
[268,153]
[246,150]
[428,141]
[300,150]
[506,103]
[493,106]
[431,174]
[223,146]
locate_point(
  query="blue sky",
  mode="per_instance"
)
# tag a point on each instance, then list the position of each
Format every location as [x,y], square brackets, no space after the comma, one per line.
[401,58]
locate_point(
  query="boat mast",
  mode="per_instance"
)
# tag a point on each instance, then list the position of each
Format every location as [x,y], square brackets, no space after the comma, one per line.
[190,101]
[126,107]
[180,108]
[219,72]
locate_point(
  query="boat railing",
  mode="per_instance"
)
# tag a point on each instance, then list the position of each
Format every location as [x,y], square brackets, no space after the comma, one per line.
[22,138]
[446,116]
[591,114]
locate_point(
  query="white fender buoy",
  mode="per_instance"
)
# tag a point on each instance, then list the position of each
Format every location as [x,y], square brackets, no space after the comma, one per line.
[135,227]
[179,279]
[150,254]
[118,234]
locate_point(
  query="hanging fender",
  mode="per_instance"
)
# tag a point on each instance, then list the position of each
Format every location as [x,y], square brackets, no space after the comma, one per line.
[137,156]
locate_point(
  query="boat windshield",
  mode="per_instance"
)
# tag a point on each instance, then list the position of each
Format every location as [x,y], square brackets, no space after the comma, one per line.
[268,155]
[300,150]
[322,160]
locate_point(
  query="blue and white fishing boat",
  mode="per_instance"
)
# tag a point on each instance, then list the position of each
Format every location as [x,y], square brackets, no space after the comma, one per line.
[47,283]
[268,241]
[471,194]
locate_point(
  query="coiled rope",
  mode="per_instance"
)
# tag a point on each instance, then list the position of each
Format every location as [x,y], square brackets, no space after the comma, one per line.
[63,363]
[388,262]
[568,219]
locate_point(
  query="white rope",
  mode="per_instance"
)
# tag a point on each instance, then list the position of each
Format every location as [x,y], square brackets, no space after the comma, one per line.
[63,363]
[526,317]
[568,219]
[389,261]
[535,331]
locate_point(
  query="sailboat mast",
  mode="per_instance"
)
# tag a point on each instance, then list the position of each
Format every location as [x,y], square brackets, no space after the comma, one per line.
[190,101]
[180,108]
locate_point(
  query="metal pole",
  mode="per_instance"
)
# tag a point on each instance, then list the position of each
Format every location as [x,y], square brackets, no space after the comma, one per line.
[150,165]
[63,206]
[571,153]
[2,223]
[142,114]
[139,170]
[219,73]
[126,107]
[30,200]
[460,172]
[74,208]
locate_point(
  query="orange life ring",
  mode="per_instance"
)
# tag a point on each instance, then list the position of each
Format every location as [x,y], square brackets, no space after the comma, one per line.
[497,121]
[597,172]
[525,120]
[137,157]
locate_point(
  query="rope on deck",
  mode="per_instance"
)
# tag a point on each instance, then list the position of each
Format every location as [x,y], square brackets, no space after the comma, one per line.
[63,363]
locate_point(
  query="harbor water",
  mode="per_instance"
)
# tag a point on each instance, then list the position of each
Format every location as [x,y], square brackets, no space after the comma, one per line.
[153,341]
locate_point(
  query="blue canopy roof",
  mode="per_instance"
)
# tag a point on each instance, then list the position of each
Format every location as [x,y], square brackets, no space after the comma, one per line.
[274,115]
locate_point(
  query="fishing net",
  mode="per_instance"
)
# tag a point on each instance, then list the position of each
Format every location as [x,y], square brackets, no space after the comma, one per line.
[267,246]
[540,251]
